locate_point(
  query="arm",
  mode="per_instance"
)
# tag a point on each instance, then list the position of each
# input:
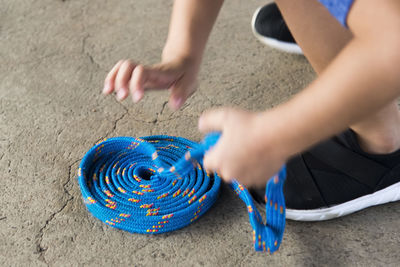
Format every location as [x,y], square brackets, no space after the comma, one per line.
[190,26]
[362,79]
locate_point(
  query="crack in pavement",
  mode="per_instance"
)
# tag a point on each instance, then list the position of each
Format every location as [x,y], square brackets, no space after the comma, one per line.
[86,52]
[160,113]
[40,249]
[59,132]
[114,127]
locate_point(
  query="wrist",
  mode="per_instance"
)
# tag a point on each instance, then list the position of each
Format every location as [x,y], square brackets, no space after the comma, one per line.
[175,53]
[277,135]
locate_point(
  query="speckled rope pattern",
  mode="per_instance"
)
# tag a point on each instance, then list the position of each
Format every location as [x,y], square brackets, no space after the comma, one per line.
[156,184]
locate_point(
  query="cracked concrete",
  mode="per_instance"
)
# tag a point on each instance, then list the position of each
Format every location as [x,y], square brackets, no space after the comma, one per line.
[39,248]
[55,55]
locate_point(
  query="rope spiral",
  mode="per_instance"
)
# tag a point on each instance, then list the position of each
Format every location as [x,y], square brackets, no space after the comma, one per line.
[156,184]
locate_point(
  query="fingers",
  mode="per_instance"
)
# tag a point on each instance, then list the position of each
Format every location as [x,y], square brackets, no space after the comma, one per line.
[110,79]
[136,85]
[118,79]
[212,162]
[122,80]
[127,77]
[213,120]
[154,77]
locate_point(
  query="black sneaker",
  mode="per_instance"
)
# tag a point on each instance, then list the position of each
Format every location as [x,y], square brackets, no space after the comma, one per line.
[336,178]
[270,28]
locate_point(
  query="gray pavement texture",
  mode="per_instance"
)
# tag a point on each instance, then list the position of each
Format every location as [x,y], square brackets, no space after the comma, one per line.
[54,56]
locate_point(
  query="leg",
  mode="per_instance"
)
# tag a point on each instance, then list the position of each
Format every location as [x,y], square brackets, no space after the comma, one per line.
[321,38]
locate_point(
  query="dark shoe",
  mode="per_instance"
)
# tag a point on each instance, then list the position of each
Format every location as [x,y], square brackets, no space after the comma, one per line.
[270,28]
[336,178]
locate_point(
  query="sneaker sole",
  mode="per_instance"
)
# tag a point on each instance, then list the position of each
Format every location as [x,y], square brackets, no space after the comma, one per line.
[274,43]
[389,194]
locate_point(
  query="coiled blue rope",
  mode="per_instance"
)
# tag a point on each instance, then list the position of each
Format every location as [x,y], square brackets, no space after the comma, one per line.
[156,184]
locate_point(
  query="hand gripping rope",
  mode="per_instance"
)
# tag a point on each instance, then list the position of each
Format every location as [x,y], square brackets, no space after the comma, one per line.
[156,184]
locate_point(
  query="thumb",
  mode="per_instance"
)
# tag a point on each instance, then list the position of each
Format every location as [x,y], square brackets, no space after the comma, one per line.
[153,77]
[213,120]
[180,92]
[212,162]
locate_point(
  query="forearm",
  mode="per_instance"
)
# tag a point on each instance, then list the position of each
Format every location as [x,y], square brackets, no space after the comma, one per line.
[361,80]
[190,26]
[357,83]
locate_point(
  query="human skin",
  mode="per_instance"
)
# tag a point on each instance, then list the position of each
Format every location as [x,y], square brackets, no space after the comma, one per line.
[360,81]
[190,26]
[321,38]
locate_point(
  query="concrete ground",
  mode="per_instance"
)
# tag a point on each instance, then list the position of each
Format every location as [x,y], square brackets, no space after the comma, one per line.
[55,55]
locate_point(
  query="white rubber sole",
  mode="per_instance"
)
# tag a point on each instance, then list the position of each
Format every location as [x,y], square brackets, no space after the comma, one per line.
[283,46]
[389,194]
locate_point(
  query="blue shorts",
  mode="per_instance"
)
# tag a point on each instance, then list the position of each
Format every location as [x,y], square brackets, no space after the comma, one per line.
[339,9]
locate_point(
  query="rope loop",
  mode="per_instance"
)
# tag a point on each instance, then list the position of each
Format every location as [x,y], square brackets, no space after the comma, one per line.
[134,184]
[156,184]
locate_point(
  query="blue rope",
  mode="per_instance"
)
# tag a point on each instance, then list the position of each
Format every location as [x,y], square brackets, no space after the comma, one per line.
[156,184]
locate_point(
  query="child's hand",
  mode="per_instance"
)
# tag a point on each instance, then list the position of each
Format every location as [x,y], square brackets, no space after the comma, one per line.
[178,75]
[249,149]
